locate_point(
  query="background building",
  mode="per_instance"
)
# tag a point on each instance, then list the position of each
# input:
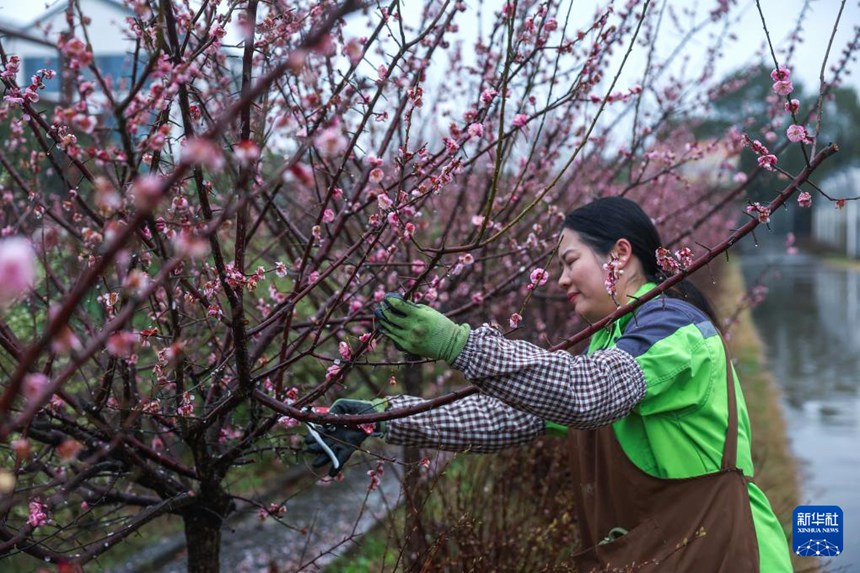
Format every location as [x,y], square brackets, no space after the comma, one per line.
[36,41]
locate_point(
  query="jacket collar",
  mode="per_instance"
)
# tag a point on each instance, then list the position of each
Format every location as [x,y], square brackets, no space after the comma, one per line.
[606,337]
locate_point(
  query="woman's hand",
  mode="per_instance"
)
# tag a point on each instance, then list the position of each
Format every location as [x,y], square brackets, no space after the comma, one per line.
[421,330]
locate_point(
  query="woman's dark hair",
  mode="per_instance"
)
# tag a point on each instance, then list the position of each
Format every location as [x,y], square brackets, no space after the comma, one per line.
[603,221]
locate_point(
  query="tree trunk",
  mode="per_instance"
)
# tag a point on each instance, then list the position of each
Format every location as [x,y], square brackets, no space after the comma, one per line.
[203,537]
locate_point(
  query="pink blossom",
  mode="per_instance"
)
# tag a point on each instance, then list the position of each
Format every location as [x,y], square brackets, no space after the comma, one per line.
[280,269]
[804,199]
[758,211]
[38,513]
[56,404]
[758,147]
[12,99]
[343,350]
[488,95]
[515,320]
[792,106]
[136,281]
[146,191]
[287,422]
[12,66]
[246,152]
[550,25]
[780,74]
[34,385]
[188,244]
[331,142]
[376,175]
[799,133]
[107,197]
[739,177]
[373,160]
[767,162]
[520,120]
[451,146]
[186,407]
[17,269]
[476,130]
[353,51]
[375,476]
[840,203]
[151,407]
[783,87]
[796,133]
[685,257]
[538,278]
[332,372]
[757,294]
[418,266]
[77,53]
[204,152]
[82,121]
[384,202]
[478,298]
[328,216]
[122,344]
[612,275]
[667,262]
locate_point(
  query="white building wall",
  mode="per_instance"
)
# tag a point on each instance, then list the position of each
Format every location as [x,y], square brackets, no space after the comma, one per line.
[839,228]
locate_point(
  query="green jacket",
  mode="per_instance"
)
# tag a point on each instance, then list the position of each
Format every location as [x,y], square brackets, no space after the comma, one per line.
[679,428]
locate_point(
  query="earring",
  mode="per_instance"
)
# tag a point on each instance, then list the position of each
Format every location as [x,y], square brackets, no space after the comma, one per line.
[620,271]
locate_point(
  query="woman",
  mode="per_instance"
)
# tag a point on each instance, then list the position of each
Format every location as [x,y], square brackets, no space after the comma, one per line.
[658,427]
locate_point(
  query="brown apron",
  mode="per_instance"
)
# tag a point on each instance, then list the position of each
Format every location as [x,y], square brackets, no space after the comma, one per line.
[702,524]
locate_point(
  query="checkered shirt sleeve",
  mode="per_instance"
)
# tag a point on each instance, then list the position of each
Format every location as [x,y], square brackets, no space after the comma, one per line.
[521,386]
[476,423]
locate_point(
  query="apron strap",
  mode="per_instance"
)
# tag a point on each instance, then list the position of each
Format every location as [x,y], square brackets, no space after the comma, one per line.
[730,450]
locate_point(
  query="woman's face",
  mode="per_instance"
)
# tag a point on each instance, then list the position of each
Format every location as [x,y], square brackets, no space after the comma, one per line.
[582,277]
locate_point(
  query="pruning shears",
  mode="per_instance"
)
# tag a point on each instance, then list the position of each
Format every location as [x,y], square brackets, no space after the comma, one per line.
[314,432]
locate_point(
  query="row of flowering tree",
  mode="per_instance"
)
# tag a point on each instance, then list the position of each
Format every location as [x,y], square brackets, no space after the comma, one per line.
[191,254]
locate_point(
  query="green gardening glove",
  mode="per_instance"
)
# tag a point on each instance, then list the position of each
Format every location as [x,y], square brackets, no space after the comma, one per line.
[420,330]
